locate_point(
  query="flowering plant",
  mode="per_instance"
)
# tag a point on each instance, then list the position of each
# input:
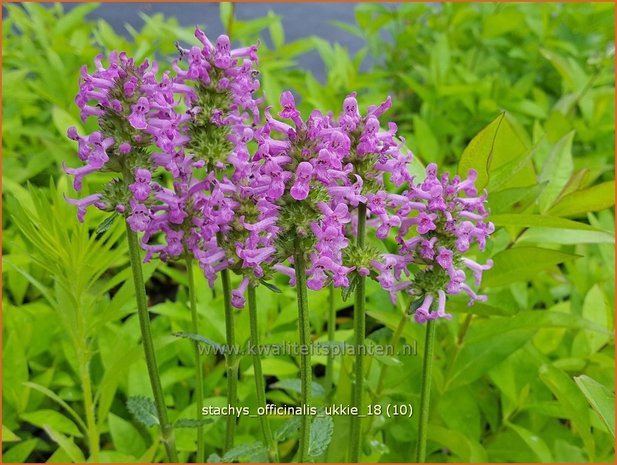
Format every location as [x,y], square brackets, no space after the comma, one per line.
[206,174]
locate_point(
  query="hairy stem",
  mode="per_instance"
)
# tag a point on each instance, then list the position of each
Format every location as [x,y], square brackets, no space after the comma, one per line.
[230,360]
[359,323]
[167,433]
[331,330]
[304,331]
[199,387]
[427,375]
[260,389]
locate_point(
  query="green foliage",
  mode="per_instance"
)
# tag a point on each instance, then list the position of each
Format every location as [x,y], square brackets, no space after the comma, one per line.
[321,435]
[600,398]
[143,409]
[521,93]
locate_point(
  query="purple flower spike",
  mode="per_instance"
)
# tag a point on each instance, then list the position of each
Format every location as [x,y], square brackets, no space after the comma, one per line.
[447,225]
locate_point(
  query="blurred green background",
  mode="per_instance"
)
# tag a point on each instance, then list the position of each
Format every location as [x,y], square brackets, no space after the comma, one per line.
[524,93]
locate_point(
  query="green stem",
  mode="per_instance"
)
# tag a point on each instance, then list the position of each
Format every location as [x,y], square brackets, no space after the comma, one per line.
[331,331]
[359,323]
[260,388]
[167,433]
[230,361]
[304,331]
[93,435]
[427,375]
[199,387]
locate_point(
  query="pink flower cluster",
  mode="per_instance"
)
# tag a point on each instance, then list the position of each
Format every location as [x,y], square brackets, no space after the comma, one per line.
[448,216]
[302,188]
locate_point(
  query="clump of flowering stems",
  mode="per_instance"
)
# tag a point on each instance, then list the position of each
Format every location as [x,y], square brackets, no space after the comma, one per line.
[194,218]
[116,96]
[316,172]
[448,216]
[300,205]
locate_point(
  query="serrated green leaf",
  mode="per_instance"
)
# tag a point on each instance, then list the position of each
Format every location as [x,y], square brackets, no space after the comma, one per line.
[288,429]
[601,399]
[143,409]
[321,435]
[244,452]
[191,423]
[214,458]
[295,385]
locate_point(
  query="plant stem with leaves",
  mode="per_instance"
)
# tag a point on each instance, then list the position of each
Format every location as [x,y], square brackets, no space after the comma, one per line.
[425,392]
[199,388]
[359,331]
[260,389]
[231,362]
[167,433]
[304,331]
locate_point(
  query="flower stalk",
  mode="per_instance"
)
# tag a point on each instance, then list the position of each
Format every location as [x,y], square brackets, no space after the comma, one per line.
[425,392]
[199,387]
[230,361]
[260,389]
[331,334]
[304,331]
[167,433]
[359,332]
